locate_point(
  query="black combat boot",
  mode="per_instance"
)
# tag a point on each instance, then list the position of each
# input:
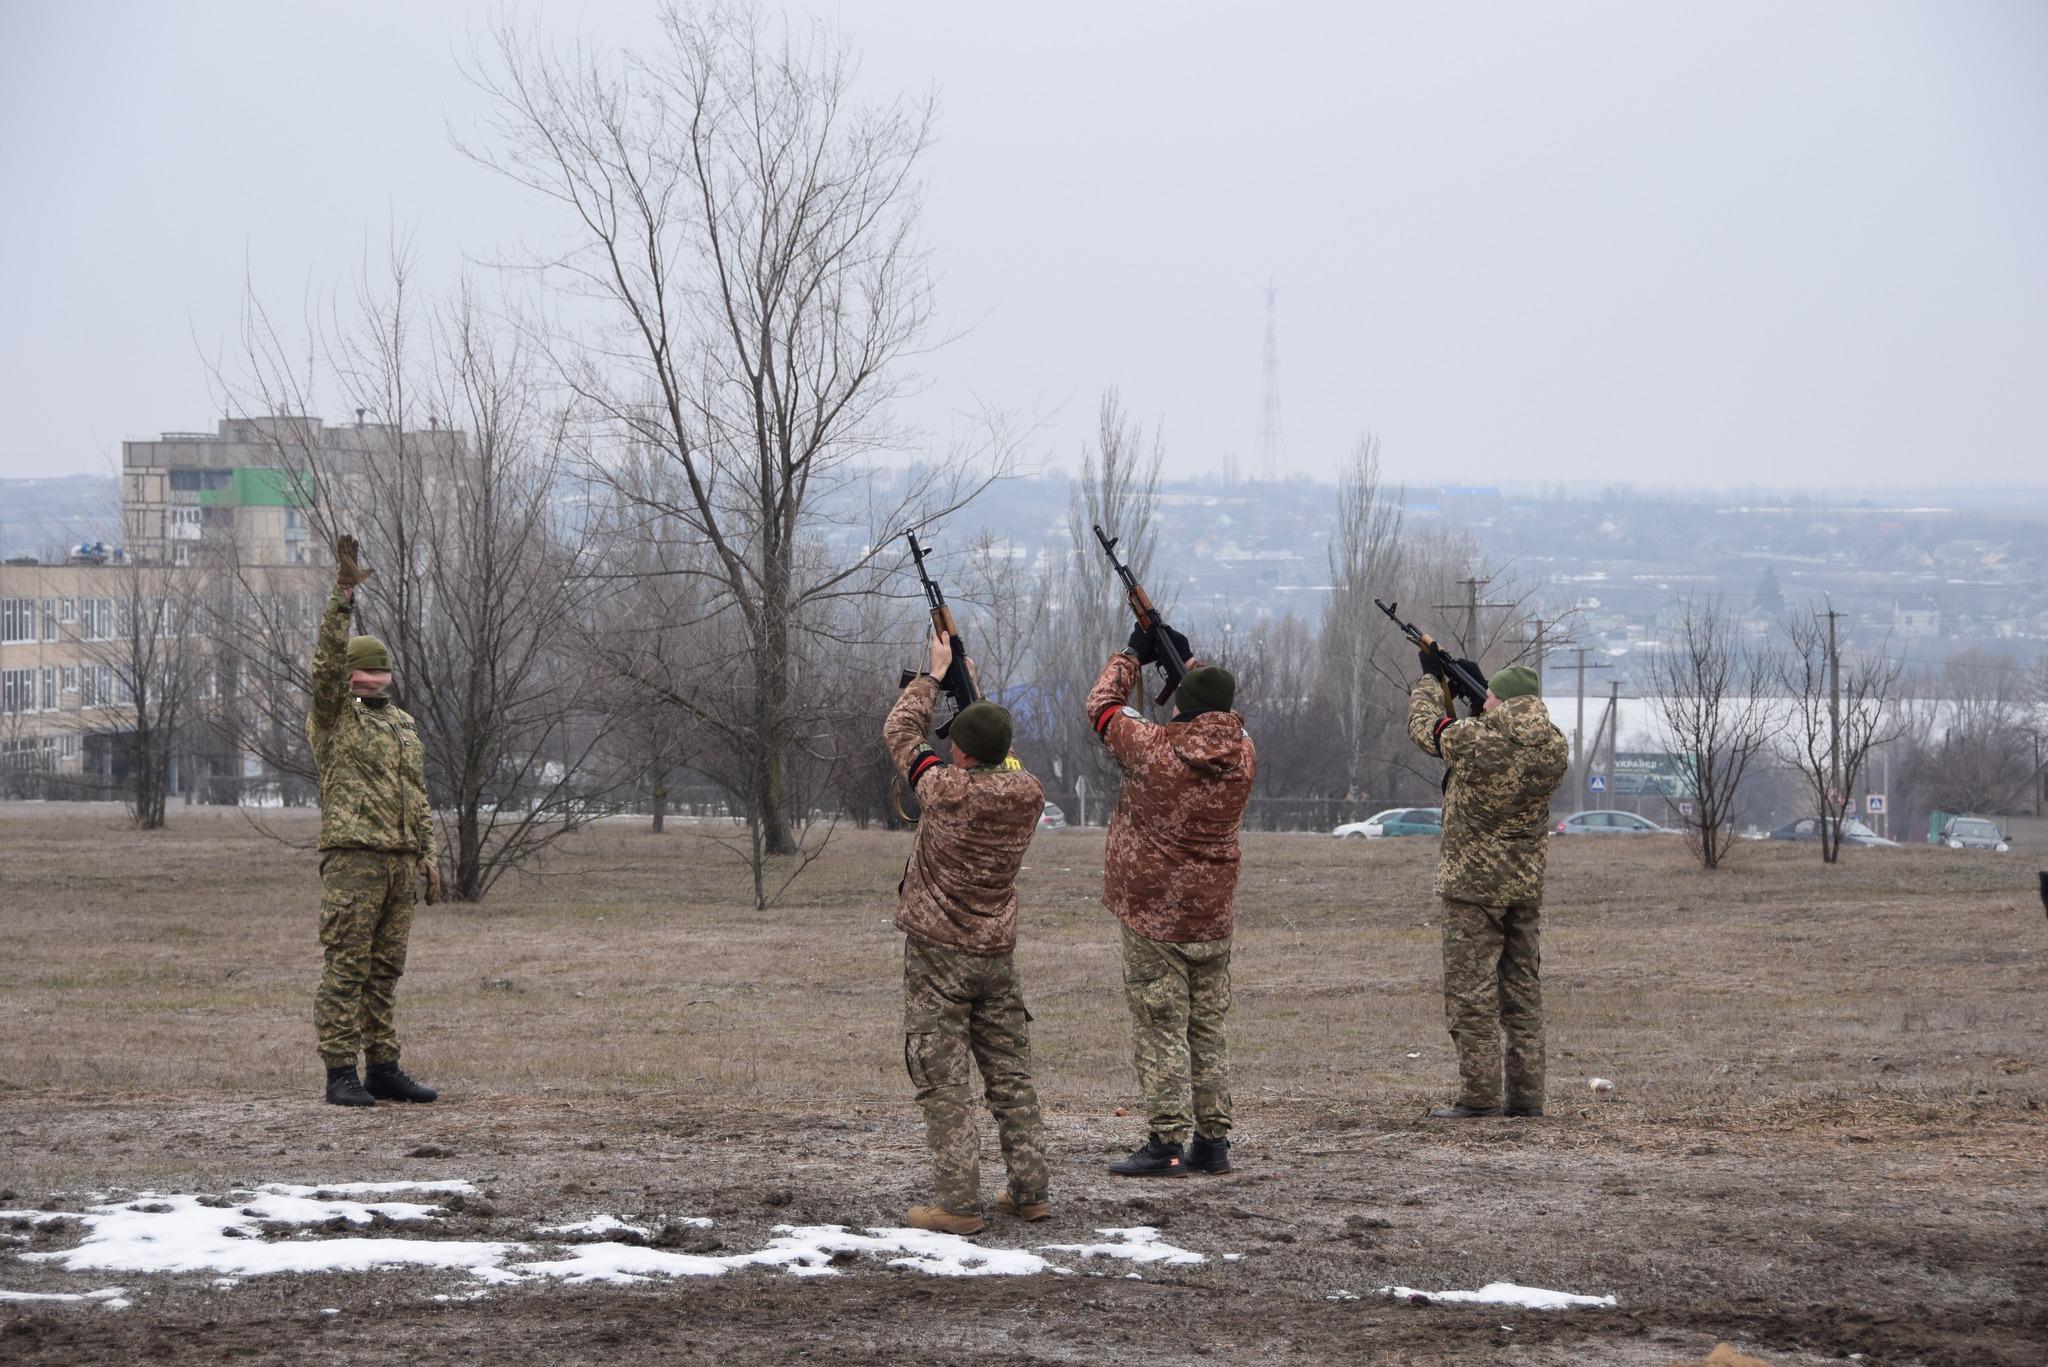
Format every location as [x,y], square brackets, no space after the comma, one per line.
[1208,1155]
[1523,1113]
[388,1082]
[1154,1158]
[1463,1112]
[344,1088]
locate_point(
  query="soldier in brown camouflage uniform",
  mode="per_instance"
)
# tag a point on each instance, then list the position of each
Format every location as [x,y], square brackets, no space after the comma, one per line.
[957,908]
[1170,877]
[1501,769]
[376,836]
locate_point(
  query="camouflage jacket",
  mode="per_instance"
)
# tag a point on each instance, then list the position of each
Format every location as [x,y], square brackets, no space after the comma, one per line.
[373,774]
[1501,768]
[959,888]
[1170,869]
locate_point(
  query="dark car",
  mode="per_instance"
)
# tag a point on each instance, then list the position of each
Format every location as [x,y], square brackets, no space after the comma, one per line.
[1973,833]
[1854,832]
[1608,823]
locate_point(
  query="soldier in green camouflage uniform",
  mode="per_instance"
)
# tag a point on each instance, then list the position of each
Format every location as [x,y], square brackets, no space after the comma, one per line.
[957,907]
[1501,769]
[376,837]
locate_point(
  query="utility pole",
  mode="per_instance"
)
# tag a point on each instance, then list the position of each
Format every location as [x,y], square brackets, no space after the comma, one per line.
[1540,640]
[1579,726]
[1614,735]
[1271,441]
[1471,605]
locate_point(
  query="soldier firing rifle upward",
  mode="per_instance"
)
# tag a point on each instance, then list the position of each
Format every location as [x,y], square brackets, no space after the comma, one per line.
[1502,763]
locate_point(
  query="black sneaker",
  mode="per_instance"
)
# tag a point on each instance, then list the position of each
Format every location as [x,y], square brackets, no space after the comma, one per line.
[388,1082]
[1209,1156]
[344,1088]
[1154,1158]
[1463,1112]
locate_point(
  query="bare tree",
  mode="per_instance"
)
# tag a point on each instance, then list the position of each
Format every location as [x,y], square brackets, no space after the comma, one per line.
[742,251]
[1365,557]
[146,672]
[1710,702]
[1970,747]
[1839,711]
[1086,615]
[458,494]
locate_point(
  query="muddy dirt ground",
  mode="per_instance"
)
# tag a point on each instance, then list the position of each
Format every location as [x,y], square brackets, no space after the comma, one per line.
[1825,1139]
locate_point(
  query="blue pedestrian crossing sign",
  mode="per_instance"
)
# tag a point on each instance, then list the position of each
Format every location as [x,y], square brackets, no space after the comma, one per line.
[1598,783]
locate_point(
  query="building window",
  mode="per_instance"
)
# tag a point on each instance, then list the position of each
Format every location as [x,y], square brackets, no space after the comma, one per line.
[68,611]
[17,620]
[70,678]
[49,688]
[49,619]
[70,746]
[17,690]
[96,619]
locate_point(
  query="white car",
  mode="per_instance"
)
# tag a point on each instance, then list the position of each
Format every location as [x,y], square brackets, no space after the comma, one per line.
[1394,821]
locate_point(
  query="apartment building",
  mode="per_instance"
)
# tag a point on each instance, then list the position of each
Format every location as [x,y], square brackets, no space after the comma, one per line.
[60,693]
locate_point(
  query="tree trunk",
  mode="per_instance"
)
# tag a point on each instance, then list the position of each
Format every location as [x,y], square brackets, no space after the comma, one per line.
[660,797]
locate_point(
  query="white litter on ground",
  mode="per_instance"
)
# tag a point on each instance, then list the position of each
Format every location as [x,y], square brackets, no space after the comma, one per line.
[113,1297]
[240,1236]
[1506,1293]
[598,1224]
[1137,1243]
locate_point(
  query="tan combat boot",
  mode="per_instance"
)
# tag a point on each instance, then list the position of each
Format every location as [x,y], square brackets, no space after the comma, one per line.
[1031,1211]
[942,1221]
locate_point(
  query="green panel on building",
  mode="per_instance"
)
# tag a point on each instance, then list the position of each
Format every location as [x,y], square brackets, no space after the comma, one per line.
[257,487]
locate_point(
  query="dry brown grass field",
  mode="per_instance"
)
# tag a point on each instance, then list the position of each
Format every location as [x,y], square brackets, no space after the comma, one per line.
[1825,1137]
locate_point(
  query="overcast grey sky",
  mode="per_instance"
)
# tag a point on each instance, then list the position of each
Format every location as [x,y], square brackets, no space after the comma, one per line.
[1714,243]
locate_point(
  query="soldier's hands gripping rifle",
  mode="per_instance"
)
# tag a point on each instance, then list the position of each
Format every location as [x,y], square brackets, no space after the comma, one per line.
[1458,678]
[1169,647]
[956,682]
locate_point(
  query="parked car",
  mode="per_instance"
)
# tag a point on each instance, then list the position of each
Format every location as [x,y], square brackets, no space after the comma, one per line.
[1052,818]
[1854,832]
[1608,823]
[1394,821]
[1973,833]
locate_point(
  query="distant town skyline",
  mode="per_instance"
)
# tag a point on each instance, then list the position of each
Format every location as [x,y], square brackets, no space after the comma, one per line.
[1721,246]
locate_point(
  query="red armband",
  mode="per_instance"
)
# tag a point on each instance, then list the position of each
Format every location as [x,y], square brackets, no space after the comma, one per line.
[1102,718]
[922,763]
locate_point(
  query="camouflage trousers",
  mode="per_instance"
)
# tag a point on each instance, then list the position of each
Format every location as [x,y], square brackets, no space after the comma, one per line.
[1179,994]
[365,920]
[1491,963]
[956,1005]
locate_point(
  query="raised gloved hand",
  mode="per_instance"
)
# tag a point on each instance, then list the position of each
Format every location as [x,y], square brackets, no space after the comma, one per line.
[348,572]
[432,873]
[1432,664]
[1145,645]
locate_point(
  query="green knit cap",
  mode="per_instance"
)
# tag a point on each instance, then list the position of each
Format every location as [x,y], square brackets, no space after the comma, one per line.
[1211,688]
[984,730]
[367,652]
[1516,681]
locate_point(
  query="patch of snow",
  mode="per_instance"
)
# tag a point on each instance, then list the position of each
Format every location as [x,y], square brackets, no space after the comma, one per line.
[1505,1293]
[175,1233]
[184,1233]
[112,1297]
[451,1188]
[597,1224]
[1233,1257]
[1136,1243]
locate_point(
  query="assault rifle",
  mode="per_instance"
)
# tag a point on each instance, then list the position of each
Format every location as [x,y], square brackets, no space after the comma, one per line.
[1170,662]
[1455,680]
[957,684]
